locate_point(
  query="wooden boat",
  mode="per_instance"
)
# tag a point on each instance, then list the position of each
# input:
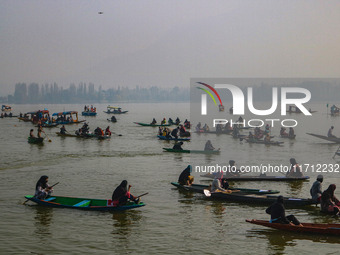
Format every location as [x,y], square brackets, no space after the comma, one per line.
[310,228]
[62,117]
[260,199]
[114,110]
[172,138]
[48,125]
[191,151]
[6,108]
[330,139]
[89,135]
[88,113]
[288,136]
[264,142]
[259,178]
[34,117]
[199,188]
[152,125]
[9,116]
[35,140]
[294,109]
[83,203]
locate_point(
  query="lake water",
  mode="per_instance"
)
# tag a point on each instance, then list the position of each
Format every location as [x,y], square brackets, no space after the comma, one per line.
[172,221]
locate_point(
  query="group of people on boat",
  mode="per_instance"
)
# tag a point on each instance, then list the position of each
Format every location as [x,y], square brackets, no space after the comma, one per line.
[334,109]
[4,115]
[199,127]
[85,131]
[90,109]
[174,133]
[285,134]
[170,121]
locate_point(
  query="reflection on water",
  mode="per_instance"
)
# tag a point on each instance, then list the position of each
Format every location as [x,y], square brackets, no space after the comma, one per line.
[42,221]
[295,187]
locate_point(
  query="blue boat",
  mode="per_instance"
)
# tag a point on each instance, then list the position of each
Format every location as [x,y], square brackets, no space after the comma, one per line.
[88,113]
[172,138]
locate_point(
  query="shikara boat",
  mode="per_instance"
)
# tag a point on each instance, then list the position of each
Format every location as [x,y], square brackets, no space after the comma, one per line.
[265,142]
[34,117]
[6,108]
[36,140]
[152,125]
[191,151]
[259,178]
[330,139]
[259,199]
[48,125]
[65,118]
[114,110]
[83,203]
[199,188]
[288,136]
[172,138]
[308,228]
[88,113]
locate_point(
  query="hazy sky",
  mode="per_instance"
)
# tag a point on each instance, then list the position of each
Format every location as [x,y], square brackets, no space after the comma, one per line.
[165,42]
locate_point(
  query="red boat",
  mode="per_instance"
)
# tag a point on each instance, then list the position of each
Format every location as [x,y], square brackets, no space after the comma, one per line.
[309,228]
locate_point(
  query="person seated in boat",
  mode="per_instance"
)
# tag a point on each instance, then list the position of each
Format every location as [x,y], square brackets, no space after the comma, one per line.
[113,119]
[316,189]
[267,129]
[119,110]
[232,171]
[107,131]
[160,131]
[85,128]
[63,130]
[10,114]
[267,138]
[31,133]
[224,183]
[227,127]
[177,121]
[122,195]
[278,214]
[329,202]
[153,122]
[185,178]
[99,132]
[219,128]
[163,122]
[174,132]
[251,137]
[216,186]
[208,146]
[236,131]
[283,132]
[198,127]
[42,189]
[330,132]
[206,127]
[295,170]
[166,133]
[178,146]
[182,130]
[5,114]
[170,121]
[291,132]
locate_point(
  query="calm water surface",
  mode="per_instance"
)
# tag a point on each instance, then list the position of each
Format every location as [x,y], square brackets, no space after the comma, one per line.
[173,221]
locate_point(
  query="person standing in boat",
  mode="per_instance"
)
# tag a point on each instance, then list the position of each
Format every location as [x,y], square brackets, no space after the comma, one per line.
[42,189]
[185,177]
[122,194]
[208,146]
[316,189]
[330,132]
[63,130]
[295,170]
[329,202]
[278,214]
[178,146]
[31,133]
[39,132]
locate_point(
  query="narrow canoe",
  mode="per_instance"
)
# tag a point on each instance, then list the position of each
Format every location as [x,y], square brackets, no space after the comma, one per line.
[112,120]
[115,112]
[310,228]
[288,136]
[83,203]
[88,113]
[259,178]
[172,138]
[199,188]
[191,151]
[48,125]
[152,125]
[84,136]
[36,140]
[264,142]
[260,199]
[330,139]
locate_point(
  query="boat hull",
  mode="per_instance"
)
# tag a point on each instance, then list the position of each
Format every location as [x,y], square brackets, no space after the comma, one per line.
[152,125]
[330,139]
[88,113]
[259,178]
[190,151]
[172,138]
[35,140]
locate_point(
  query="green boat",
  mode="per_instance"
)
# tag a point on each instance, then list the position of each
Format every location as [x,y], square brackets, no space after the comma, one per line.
[191,151]
[35,140]
[152,125]
[83,203]
[199,188]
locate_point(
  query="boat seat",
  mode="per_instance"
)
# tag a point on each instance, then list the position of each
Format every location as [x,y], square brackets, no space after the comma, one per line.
[84,203]
[49,199]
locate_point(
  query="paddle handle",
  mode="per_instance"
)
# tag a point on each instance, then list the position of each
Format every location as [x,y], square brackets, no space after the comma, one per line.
[143,194]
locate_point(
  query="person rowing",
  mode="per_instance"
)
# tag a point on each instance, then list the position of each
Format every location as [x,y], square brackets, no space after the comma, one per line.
[283,132]
[174,132]
[63,130]
[329,202]
[198,127]
[122,195]
[291,132]
[163,122]
[316,189]
[178,146]
[216,185]
[42,189]
[278,214]
[208,146]
[330,132]
[107,131]
[113,119]
[295,170]
[185,177]
[153,121]
[170,121]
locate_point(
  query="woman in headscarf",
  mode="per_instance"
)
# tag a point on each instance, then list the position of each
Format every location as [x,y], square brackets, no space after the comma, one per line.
[329,203]
[295,170]
[278,214]
[122,194]
[208,146]
[185,178]
[42,189]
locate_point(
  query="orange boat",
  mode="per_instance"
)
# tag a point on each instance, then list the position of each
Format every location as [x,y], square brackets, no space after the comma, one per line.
[308,228]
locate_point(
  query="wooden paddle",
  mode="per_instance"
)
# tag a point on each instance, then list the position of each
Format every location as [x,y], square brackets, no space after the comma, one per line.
[49,140]
[49,188]
[143,194]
